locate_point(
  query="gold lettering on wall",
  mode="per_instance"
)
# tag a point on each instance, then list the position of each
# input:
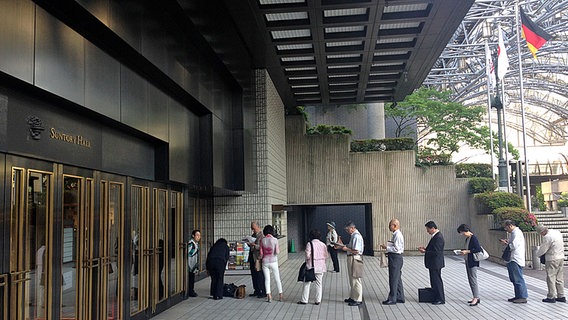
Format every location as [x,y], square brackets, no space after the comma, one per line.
[69,138]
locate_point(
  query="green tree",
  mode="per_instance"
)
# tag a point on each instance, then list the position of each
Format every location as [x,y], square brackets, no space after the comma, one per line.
[442,124]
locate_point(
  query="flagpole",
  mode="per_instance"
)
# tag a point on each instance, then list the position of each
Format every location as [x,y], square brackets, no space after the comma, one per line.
[528,185]
[505,136]
[488,74]
[503,57]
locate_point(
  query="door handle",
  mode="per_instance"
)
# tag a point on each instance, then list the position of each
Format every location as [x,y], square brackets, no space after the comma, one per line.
[91,263]
[3,280]
[20,276]
[4,292]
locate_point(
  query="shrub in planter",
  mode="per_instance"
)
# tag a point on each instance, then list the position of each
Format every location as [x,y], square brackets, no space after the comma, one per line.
[480,185]
[434,159]
[470,170]
[389,144]
[563,201]
[523,219]
[494,200]
[329,129]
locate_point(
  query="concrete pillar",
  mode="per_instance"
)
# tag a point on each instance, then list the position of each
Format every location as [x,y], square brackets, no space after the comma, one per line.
[376,120]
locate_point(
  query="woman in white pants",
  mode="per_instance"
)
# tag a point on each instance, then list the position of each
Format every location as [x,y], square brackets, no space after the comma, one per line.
[318,250]
[268,253]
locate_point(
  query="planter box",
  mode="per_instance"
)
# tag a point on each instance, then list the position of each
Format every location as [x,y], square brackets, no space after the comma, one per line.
[481,208]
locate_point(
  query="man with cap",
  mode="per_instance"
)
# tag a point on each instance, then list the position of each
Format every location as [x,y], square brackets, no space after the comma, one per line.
[552,247]
[330,240]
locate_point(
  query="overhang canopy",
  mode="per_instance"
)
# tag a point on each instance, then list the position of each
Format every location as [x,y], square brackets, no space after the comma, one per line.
[343,51]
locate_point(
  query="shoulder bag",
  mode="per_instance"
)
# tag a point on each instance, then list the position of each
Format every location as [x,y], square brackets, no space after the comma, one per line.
[506,254]
[307,275]
[481,255]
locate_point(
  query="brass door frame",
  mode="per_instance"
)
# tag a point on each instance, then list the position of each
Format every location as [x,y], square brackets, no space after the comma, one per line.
[4,290]
[157,250]
[156,206]
[20,276]
[85,258]
[144,251]
[105,256]
[181,247]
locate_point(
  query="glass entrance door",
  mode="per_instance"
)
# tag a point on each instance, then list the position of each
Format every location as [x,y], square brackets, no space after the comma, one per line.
[160,252]
[31,214]
[139,206]
[177,259]
[156,245]
[78,263]
[112,250]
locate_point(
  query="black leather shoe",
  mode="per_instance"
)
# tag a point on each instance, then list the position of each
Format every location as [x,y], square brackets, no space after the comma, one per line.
[301,302]
[388,302]
[563,299]
[511,299]
[549,300]
[399,301]
[438,302]
[355,303]
[253,294]
[349,300]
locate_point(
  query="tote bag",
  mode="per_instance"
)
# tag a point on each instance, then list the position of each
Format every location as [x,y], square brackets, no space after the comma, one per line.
[481,255]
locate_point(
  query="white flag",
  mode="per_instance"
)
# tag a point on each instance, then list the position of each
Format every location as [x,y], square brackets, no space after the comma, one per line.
[502,59]
[489,68]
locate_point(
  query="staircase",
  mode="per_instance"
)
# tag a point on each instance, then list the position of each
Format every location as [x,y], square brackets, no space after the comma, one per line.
[555,220]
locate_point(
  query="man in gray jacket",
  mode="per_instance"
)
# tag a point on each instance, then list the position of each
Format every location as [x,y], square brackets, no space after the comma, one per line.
[552,247]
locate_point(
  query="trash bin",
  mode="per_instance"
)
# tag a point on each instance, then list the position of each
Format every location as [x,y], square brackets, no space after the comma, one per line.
[536,259]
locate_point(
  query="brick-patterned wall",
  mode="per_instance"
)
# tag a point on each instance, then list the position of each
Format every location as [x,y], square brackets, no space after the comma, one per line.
[232,215]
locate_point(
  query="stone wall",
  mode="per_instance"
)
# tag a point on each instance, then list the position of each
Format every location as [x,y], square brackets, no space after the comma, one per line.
[234,214]
[322,170]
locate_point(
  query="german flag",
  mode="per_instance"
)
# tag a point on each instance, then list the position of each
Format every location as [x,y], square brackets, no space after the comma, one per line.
[535,36]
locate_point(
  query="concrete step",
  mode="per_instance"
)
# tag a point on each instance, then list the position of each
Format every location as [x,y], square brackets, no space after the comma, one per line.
[557,221]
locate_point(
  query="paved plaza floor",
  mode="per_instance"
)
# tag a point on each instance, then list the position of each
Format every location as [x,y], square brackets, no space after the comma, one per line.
[494,285]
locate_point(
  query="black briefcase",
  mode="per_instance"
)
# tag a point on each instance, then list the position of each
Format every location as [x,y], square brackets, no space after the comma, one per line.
[425,295]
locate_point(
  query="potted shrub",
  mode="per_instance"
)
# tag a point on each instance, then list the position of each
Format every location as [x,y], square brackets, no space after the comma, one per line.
[487,202]
[481,184]
[523,219]
[563,203]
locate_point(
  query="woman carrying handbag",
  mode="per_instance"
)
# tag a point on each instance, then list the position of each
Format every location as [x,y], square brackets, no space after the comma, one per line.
[316,255]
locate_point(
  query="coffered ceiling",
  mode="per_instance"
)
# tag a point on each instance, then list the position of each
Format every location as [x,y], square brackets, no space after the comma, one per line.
[351,51]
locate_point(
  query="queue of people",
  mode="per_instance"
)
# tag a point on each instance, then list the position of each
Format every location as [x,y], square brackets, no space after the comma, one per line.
[264,251]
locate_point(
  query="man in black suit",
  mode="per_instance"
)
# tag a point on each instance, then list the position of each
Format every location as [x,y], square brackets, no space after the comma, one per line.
[434,261]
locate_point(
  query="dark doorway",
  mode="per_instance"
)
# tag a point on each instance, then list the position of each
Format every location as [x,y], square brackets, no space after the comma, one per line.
[306,218]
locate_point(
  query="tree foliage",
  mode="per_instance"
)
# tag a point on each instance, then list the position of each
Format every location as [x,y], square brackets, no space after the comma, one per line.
[442,124]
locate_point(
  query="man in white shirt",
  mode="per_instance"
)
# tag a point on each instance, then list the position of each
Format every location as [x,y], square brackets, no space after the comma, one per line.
[354,264]
[517,262]
[395,248]
[552,247]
